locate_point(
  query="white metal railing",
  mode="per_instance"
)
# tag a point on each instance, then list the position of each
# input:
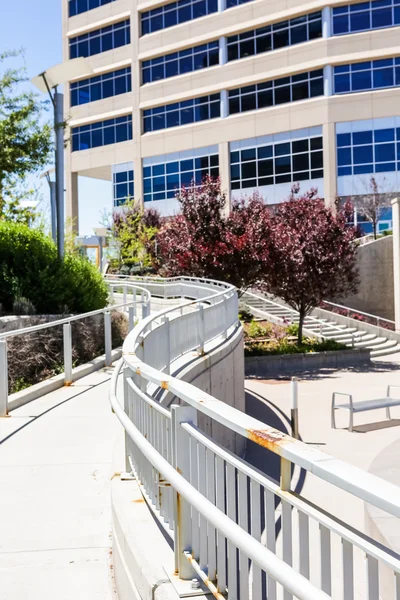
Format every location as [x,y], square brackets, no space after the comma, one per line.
[248,537]
[130,301]
[349,311]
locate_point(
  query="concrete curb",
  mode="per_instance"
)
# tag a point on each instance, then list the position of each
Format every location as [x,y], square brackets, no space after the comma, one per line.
[54,383]
[290,363]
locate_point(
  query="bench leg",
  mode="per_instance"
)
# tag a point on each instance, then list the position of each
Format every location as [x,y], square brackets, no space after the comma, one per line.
[333,420]
[351,422]
[388,412]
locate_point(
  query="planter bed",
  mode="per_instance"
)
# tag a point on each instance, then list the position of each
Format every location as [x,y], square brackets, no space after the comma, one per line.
[287,364]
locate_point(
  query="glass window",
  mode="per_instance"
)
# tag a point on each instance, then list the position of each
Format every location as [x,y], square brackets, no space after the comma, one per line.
[285,33]
[102,133]
[158,186]
[371,151]
[366,76]
[176,12]
[77,7]
[364,16]
[100,40]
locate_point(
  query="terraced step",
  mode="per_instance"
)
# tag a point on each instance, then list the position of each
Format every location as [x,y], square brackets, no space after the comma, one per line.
[389,347]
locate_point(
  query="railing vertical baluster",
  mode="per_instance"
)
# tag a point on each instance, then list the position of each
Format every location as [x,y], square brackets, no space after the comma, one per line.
[127,408]
[372,578]
[124,295]
[348,572]
[287,541]
[220,486]
[167,325]
[3,379]
[243,513]
[211,538]
[181,462]
[203,559]
[304,544]
[202,336]
[231,512]
[194,480]
[131,318]
[269,500]
[107,338]
[255,519]
[325,545]
[67,343]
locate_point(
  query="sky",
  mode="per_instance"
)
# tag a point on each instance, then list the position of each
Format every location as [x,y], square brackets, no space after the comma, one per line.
[35,25]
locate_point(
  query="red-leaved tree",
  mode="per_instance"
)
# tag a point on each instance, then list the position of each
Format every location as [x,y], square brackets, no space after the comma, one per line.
[204,241]
[312,254]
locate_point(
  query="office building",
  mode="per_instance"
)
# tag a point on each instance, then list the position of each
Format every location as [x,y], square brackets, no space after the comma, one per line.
[263,94]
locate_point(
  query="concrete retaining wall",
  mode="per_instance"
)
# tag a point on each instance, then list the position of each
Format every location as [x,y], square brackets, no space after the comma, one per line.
[286,364]
[376,293]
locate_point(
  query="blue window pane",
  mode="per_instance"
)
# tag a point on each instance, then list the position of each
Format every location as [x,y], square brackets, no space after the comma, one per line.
[342,83]
[361,80]
[344,171]
[121,177]
[344,156]
[97,138]
[385,167]
[147,186]
[146,171]
[360,169]
[381,18]
[362,137]
[281,149]
[384,152]
[147,197]
[360,21]
[264,152]
[249,154]
[158,184]
[362,154]
[173,167]
[122,190]
[173,181]
[158,169]
[383,77]
[109,135]
[341,24]
[343,139]
[384,135]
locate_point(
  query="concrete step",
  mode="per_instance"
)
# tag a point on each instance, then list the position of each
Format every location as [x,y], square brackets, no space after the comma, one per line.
[391,347]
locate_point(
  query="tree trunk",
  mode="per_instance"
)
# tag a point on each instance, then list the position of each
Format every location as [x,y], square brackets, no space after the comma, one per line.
[301,322]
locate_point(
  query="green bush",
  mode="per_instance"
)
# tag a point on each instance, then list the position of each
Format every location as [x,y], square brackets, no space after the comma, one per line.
[30,268]
[285,347]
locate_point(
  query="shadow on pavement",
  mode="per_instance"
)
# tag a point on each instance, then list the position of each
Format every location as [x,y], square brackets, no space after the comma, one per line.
[327,373]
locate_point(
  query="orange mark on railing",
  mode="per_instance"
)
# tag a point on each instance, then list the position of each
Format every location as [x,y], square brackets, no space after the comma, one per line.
[268,439]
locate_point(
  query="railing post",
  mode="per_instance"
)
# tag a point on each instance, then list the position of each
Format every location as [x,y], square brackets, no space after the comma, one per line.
[167,326]
[3,379]
[124,295]
[107,338]
[67,338]
[147,308]
[131,318]
[225,301]
[294,409]
[181,462]
[127,408]
[202,333]
[286,474]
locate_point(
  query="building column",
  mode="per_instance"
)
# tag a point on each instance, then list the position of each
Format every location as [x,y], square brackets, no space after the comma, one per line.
[224,104]
[223,51]
[138,180]
[328,80]
[225,171]
[326,22]
[396,260]
[329,149]
[72,202]
[221,5]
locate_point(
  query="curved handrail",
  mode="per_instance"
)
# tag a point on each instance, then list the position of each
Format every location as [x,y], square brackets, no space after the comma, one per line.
[292,581]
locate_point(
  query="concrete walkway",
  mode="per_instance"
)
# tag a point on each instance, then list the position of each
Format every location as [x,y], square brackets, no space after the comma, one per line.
[55,469]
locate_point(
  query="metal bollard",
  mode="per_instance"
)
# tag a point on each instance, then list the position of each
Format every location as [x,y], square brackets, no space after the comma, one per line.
[131,319]
[3,379]
[107,338]
[294,409]
[67,338]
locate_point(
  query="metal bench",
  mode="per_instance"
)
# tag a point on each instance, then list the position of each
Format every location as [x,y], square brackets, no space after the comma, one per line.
[354,407]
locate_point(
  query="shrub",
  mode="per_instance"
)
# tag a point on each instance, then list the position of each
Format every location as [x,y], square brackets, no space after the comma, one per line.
[30,268]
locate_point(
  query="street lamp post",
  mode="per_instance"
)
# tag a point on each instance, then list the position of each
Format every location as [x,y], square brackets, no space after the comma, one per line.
[48,81]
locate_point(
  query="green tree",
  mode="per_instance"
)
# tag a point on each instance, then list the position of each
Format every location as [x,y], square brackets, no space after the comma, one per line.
[25,142]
